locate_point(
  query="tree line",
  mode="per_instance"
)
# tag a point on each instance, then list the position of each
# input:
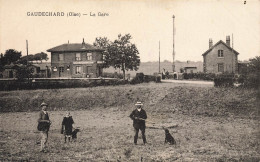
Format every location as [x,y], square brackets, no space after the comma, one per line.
[15,57]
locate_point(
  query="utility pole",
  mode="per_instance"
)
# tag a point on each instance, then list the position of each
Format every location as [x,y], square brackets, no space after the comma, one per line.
[232,54]
[27,51]
[173,52]
[27,60]
[159,59]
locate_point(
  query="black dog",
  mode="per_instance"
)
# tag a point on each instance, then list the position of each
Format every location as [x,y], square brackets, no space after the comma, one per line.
[74,133]
[168,138]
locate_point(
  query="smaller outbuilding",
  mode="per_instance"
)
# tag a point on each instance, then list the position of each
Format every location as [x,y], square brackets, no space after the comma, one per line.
[190,69]
[11,71]
[45,70]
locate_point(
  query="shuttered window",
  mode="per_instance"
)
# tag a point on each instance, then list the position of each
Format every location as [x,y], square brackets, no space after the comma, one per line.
[78,69]
[78,57]
[220,53]
[89,56]
[61,57]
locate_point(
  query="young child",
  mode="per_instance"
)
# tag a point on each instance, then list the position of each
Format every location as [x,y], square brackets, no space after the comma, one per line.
[66,127]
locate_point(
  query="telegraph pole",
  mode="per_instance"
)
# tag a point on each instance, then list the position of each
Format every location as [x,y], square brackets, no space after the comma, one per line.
[27,51]
[173,52]
[159,59]
[232,55]
[27,61]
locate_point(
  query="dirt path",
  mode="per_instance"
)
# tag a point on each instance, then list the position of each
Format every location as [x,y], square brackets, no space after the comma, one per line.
[196,82]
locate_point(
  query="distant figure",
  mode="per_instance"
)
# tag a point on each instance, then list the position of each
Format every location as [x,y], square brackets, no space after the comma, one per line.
[139,116]
[167,74]
[163,74]
[66,127]
[44,126]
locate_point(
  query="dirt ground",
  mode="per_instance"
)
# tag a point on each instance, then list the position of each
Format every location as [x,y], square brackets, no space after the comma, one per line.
[107,135]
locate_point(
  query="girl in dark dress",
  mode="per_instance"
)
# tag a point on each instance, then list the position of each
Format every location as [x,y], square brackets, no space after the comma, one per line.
[66,128]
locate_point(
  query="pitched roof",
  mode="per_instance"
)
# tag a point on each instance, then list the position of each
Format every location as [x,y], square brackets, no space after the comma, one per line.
[42,66]
[218,44]
[74,47]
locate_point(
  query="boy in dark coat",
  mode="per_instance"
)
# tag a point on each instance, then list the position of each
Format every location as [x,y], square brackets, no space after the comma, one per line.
[66,127]
[139,116]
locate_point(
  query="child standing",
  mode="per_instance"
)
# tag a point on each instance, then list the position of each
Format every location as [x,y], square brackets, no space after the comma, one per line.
[44,126]
[66,127]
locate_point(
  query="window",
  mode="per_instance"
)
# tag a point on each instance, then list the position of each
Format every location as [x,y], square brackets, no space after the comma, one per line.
[78,58]
[221,67]
[61,57]
[220,53]
[61,69]
[89,56]
[78,69]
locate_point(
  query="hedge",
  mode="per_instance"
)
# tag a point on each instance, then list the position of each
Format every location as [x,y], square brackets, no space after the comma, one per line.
[250,80]
[199,76]
[224,82]
[54,84]
[140,78]
[112,75]
[7,85]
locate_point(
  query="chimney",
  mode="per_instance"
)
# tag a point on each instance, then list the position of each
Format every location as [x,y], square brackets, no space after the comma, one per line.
[228,40]
[210,43]
[83,44]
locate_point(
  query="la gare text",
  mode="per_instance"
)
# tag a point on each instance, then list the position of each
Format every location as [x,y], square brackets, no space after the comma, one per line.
[68,14]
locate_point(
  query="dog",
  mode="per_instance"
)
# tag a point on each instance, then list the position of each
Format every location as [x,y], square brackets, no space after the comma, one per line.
[74,133]
[168,137]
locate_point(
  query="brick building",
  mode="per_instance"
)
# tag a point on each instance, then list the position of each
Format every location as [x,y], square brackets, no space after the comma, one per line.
[77,60]
[220,58]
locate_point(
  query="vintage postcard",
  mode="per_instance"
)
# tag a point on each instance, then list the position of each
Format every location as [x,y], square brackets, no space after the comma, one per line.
[128,80]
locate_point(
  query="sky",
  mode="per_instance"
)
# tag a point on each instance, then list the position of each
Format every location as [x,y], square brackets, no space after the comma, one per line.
[148,22]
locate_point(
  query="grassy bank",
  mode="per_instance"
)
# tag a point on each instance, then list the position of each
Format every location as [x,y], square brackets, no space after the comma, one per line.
[165,97]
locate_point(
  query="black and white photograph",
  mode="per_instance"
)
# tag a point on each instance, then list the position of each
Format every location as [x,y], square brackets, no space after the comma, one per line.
[130,81]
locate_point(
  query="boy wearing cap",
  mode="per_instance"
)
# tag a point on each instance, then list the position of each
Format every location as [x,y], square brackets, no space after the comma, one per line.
[44,126]
[139,116]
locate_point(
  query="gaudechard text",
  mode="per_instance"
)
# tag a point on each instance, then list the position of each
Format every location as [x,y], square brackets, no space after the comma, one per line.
[45,14]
